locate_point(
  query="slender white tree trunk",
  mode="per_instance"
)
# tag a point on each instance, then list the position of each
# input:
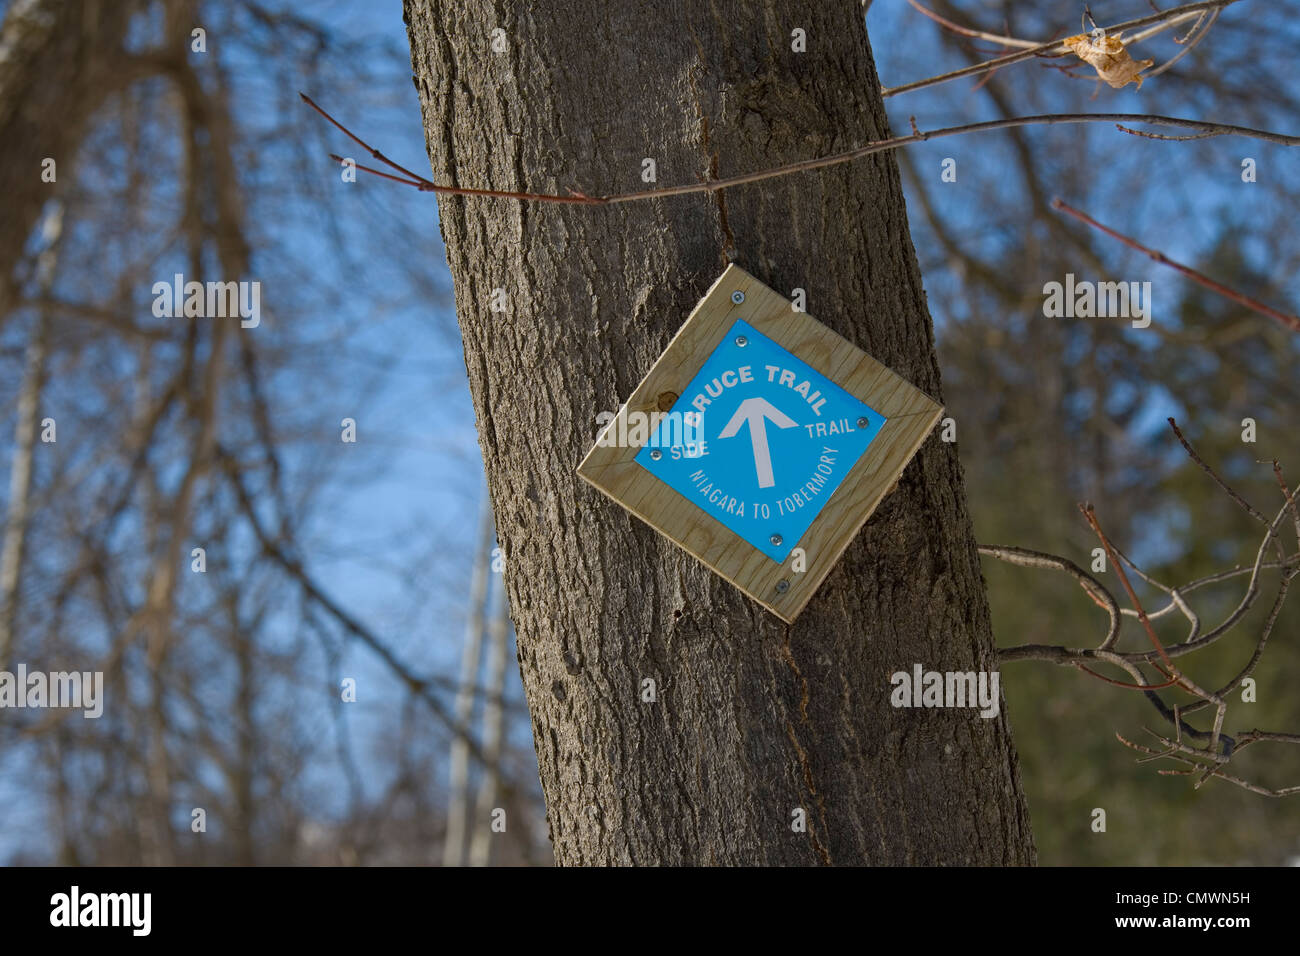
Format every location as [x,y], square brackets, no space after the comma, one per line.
[20,471]
[453,850]
[481,839]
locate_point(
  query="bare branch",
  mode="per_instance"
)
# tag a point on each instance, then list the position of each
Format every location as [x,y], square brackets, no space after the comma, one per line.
[976,34]
[1290,321]
[1204,762]
[1164,20]
[1094,588]
[807,165]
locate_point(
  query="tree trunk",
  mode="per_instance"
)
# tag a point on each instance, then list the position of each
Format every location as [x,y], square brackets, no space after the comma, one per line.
[484,841]
[453,848]
[58,60]
[18,513]
[753,719]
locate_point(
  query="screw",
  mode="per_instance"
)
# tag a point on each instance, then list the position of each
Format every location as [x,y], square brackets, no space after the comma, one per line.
[776,540]
[737,297]
[741,341]
[656,454]
[782,586]
[864,421]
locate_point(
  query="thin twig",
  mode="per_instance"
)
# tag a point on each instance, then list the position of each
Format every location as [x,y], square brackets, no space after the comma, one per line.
[1286,494]
[1164,20]
[1218,772]
[1290,321]
[420,686]
[1190,42]
[1090,516]
[976,34]
[807,165]
[1145,134]
[1204,763]
[1214,476]
[1091,586]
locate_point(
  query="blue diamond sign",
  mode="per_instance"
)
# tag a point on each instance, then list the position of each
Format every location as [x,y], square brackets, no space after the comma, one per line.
[760,440]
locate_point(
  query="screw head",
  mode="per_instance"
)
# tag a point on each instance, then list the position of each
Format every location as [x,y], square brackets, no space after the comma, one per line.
[782,586]
[656,454]
[737,297]
[864,421]
[776,540]
[742,341]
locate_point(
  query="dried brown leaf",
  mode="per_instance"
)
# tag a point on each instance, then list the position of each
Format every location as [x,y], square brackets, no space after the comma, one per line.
[1109,57]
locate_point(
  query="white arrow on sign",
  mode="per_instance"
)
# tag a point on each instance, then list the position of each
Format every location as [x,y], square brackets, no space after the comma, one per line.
[758,411]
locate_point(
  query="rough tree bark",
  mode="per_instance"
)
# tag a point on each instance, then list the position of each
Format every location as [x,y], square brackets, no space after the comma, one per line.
[753,719]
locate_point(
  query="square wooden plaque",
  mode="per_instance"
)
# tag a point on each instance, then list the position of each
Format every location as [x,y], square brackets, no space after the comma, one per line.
[909,415]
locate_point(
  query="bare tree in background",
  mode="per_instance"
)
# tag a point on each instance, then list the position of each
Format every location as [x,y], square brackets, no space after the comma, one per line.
[178,535]
[453,851]
[35,370]
[57,59]
[483,838]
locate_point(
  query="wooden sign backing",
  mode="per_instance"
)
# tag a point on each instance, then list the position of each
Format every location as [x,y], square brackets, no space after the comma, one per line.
[910,416]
